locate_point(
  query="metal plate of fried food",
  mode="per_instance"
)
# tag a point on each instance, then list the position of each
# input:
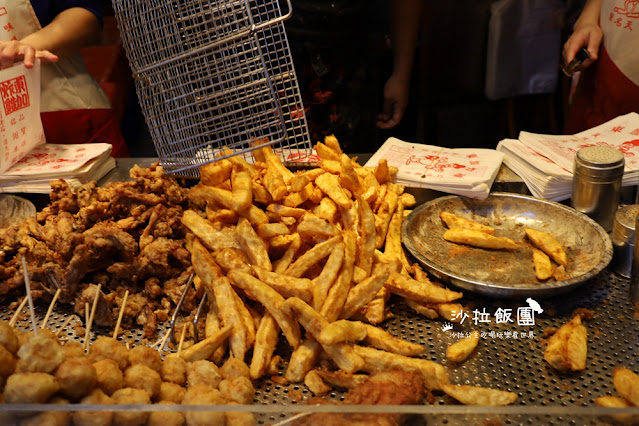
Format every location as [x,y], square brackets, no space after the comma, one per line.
[501,273]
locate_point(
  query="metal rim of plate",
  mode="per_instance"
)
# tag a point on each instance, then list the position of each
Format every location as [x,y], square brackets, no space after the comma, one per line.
[14,209]
[496,289]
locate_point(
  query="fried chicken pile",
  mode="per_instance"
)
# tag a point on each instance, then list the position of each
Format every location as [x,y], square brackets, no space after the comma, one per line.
[124,235]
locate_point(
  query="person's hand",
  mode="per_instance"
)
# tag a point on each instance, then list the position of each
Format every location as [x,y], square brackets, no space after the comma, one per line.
[14,51]
[588,36]
[395,102]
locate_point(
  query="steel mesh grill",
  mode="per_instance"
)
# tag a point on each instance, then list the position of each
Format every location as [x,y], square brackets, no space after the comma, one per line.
[516,365]
[212,75]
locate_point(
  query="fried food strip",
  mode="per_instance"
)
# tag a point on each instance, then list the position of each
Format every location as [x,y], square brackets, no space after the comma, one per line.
[393,247]
[376,360]
[203,263]
[224,197]
[285,285]
[475,395]
[568,347]
[341,353]
[231,316]
[331,142]
[315,383]
[253,245]
[541,262]
[454,221]
[242,191]
[285,261]
[267,231]
[348,178]
[326,153]
[460,351]
[368,236]
[548,244]
[428,310]
[206,347]
[230,258]
[247,320]
[286,211]
[327,210]
[311,257]
[627,384]
[338,293]
[329,184]
[380,339]
[362,293]
[303,358]
[274,162]
[323,283]
[480,239]
[274,184]
[384,214]
[382,173]
[294,199]
[342,331]
[272,301]
[213,174]
[265,343]
[422,292]
[206,232]
[312,226]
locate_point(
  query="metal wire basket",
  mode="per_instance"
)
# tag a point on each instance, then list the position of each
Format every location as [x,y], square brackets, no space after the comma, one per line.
[213,78]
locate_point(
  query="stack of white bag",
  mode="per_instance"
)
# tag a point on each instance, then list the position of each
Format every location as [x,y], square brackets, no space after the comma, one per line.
[545,162]
[77,164]
[465,171]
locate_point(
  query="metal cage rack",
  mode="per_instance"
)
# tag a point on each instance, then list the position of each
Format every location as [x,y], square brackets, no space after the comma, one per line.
[213,78]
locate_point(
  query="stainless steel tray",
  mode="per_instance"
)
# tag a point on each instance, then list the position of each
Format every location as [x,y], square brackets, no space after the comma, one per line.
[503,273]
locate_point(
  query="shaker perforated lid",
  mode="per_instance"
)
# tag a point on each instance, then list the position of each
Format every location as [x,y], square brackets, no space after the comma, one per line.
[624,226]
[599,161]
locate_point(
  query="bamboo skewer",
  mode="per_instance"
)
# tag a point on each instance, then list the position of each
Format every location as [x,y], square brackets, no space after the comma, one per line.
[64,325]
[181,340]
[117,325]
[14,318]
[55,299]
[28,286]
[163,341]
[88,331]
[87,314]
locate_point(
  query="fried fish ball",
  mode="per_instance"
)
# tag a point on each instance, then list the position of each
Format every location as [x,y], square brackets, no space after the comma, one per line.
[238,389]
[140,376]
[108,347]
[8,338]
[30,388]
[94,418]
[109,375]
[40,354]
[203,373]
[130,396]
[203,395]
[171,392]
[234,367]
[165,418]
[7,362]
[239,418]
[76,377]
[144,355]
[174,370]
[73,349]
[49,418]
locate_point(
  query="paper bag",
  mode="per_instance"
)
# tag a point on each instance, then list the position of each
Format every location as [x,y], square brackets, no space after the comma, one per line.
[20,123]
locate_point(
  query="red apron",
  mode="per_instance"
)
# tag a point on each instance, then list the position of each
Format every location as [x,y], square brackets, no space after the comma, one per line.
[610,87]
[73,106]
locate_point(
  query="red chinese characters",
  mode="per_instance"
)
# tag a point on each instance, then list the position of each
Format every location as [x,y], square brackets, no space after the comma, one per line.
[14,94]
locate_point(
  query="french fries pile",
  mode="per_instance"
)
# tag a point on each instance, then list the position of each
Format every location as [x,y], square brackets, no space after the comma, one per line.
[315,255]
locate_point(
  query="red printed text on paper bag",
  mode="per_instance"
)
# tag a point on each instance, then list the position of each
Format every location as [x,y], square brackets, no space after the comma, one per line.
[14,94]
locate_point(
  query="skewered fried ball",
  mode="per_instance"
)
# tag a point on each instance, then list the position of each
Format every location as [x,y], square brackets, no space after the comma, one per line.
[146,356]
[130,396]
[140,376]
[174,370]
[107,347]
[40,354]
[203,395]
[7,362]
[76,377]
[49,418]
[203,373]
[238,389]
[73,349]
[94,418]
[109,376]
[171,392]
[8,338]
[30,388]
[165,418]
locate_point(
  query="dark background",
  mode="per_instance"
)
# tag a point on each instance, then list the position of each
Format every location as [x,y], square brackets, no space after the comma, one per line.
[342,55]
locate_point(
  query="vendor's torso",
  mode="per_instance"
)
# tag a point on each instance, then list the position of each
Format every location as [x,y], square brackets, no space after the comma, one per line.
[620,25]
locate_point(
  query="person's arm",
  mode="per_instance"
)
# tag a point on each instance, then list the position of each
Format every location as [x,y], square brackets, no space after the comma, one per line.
[587,33]
[71,30]
[405,21]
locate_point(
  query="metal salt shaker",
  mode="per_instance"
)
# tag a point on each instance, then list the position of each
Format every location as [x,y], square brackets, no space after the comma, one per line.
[634,275]
[596,184]
[623,239]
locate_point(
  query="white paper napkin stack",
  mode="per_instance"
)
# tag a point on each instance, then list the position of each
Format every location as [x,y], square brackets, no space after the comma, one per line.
[466,171]
[545,162]
[77,164]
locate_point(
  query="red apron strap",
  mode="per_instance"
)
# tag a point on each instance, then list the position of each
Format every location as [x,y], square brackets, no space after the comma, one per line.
[89,125]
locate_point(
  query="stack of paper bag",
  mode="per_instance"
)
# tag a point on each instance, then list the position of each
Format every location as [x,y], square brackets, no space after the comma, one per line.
[77,164]
[466,171]
[545,162]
